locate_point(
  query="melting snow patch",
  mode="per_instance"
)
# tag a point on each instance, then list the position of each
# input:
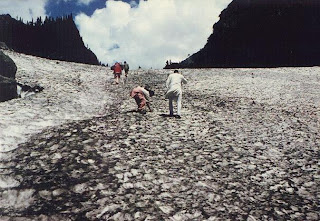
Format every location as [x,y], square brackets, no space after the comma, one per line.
[16,199]
[72,92]
[8,182]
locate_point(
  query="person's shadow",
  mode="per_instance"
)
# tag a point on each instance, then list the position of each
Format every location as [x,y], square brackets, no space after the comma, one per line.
[131,111]
[135,111]
[168,115]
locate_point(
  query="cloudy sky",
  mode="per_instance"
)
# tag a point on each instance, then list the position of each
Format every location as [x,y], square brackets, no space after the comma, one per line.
[145,33]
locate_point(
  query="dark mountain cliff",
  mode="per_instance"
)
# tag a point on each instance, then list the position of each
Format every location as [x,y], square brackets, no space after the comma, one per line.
[262,33]
[52,38]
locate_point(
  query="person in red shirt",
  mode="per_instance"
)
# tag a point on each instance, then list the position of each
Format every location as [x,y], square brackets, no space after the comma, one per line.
[117,71]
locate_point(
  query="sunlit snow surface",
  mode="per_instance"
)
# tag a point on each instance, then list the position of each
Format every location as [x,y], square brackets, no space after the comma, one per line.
[245,148]
[77,91]
[71,92]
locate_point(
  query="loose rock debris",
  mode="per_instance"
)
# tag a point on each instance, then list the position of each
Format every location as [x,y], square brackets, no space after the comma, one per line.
[239,152]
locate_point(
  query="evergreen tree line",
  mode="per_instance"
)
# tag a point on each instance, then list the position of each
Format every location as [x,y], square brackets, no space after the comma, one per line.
[48,19]
[50,38]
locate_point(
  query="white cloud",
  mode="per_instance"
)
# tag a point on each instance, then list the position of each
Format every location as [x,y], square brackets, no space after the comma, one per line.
[85,2]
[79,2]
[26,9]
[150,33]
[145,34]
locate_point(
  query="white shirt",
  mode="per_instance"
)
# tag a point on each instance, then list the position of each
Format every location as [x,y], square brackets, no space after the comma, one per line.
[173,84]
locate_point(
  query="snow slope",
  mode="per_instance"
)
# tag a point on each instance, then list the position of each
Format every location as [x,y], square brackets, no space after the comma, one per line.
[246,148]
[72,91]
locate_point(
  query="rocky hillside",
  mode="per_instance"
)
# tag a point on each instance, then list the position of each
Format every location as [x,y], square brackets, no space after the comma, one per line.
[52,38]
[246,147]
[263,33]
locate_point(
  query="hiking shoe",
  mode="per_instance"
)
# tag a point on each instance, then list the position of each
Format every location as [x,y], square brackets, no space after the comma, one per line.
[142,111]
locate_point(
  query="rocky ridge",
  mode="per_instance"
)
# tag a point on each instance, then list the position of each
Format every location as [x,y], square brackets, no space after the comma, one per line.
[243,150]
[262,33]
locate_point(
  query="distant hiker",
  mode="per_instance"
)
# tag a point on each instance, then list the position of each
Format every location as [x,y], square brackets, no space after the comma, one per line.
[174,91]
[117,70]
[142,97]
[126,68]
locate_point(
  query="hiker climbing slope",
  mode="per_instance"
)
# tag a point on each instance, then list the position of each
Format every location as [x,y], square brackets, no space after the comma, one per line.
[117,71]
[142,97]
[174,91]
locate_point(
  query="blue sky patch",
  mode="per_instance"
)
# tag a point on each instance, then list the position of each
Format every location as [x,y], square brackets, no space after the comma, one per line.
[57,8]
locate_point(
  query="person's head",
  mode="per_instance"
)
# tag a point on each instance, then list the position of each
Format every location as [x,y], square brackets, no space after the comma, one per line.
[151,92]
[125,62]
[176,71]
[147,87]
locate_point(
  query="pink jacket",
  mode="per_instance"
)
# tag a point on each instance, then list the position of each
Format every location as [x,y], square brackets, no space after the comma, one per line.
[140,90]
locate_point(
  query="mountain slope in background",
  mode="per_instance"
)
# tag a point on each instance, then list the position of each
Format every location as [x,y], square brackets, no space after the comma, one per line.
[262,33]
[52,38]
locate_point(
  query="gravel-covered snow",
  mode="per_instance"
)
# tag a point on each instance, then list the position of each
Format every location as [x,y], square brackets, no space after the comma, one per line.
[72,91]
[246,147]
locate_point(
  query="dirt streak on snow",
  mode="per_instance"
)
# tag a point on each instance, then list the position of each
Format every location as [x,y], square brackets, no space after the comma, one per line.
[71,92]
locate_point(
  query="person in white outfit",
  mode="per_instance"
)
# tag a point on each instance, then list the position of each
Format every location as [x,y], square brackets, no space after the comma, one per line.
[174,91]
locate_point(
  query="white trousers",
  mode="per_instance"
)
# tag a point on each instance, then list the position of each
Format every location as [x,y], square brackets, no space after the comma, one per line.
[178,99]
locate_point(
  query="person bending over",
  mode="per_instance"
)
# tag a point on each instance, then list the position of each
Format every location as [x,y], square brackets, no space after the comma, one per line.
[142,97]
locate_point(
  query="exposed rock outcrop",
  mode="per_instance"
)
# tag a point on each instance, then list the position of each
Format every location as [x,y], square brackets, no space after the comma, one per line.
[263,33]
[3,46]
[52,38]
[8,69]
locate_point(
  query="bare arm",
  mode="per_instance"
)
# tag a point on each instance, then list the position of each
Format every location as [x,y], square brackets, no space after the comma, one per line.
[183,80]
[168,81]
[146,93]
[148,105]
